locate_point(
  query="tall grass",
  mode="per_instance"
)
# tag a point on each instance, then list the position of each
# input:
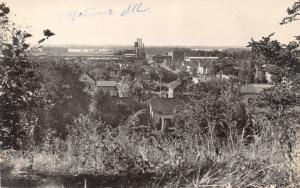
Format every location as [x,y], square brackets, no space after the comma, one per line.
[192,161]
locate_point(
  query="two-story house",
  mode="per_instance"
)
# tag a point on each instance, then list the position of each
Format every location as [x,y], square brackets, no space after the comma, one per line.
[89,81]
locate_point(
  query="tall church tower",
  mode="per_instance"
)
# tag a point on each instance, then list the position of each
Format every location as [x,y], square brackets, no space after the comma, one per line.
[139,49]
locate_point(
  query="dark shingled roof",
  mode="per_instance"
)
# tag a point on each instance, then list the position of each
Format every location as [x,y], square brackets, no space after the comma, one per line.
[165,106]
[91,76]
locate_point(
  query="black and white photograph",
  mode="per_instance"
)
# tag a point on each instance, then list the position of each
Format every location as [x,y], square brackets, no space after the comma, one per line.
[149,94]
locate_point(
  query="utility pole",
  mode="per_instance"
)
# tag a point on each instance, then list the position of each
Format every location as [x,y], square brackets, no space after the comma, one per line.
[159,87]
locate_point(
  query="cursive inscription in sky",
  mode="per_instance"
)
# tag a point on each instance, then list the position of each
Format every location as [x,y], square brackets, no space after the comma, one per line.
[131,9]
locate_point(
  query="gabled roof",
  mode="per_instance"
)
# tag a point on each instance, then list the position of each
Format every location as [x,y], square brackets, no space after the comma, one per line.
[105,83]
[91,76]
[165,106]
[254,88]
[174,84]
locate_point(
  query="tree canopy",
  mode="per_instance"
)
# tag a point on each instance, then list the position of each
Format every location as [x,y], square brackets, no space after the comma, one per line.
[293,13]
[18,83]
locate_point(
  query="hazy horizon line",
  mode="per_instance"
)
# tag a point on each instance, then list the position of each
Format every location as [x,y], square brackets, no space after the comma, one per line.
[150,45]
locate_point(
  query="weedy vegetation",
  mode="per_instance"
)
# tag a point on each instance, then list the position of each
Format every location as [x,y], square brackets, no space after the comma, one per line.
[49,127]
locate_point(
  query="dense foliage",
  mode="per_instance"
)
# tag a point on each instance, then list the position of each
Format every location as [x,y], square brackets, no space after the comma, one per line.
[293,13]
[212,109]
[282,62]
[19,84]
[114,111]
[63,95]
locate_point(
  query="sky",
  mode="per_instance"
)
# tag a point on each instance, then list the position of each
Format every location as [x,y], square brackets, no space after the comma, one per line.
[158,22]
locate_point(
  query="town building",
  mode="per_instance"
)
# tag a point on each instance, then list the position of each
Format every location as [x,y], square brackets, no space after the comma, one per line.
[162,58]
[110,87]
[206,68]
[113,74]
[202,69]
[199,59]
[130,56]
[201,65]
[161,90]
[250,92]
[89,81]
[163,110]
[174,88]
[139,49]
[177,56]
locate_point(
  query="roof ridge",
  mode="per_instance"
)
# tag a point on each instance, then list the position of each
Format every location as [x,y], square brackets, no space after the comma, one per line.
[91,76]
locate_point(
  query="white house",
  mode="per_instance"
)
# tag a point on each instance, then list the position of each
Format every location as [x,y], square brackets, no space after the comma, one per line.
[89,81]
[173,87]
[202,69]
